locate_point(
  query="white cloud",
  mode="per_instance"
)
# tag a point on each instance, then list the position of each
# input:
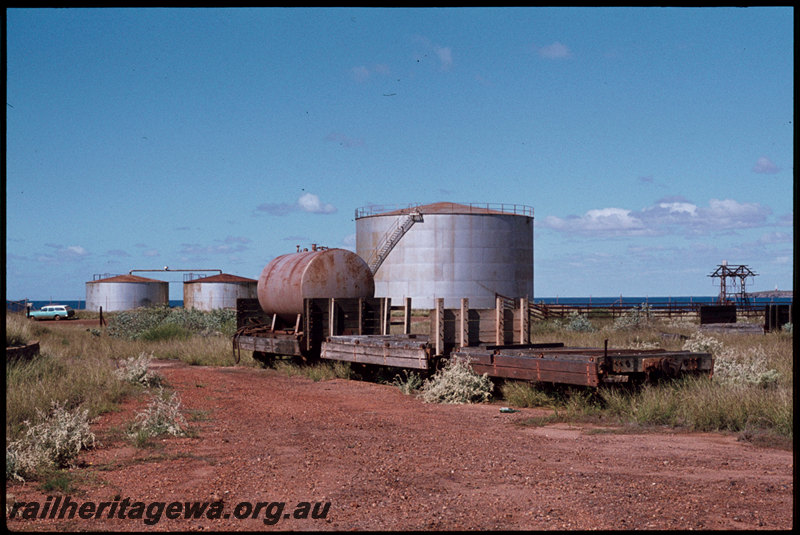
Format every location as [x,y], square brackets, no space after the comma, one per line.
[606,221]
[729,213]
[360,73]
[681,207]
[349,241]
[765,167]
[445,55]
[76,250]
[675,215]
[68,252]
[309,202]
[555,51]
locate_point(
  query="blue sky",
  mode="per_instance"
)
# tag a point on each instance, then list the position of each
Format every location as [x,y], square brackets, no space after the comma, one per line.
[652,143]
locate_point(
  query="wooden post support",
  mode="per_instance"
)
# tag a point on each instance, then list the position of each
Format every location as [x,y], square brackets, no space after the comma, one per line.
[463,328]
[360,315]
[274,320]
[332,324]
[439,323]
[308,321]
[407,316]
[499,316]
[297,323]
[524,319]
[386,315]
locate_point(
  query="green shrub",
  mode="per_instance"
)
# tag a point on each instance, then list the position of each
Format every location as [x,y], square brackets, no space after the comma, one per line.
[408,383]
[521,394]
[165,331]
[579,323]
[457,383]
[160,323]
[634,319]
[131,324]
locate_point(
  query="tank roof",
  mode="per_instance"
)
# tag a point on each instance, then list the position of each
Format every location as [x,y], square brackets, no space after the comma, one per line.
[448,208]
[222,277]
[125,278]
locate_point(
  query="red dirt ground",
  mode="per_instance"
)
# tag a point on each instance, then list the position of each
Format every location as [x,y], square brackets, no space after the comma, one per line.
[387,461]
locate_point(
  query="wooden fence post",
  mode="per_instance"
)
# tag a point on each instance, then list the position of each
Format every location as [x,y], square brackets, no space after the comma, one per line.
[439,324]
[499,316]
[407,316]
[524,321]
[464,323]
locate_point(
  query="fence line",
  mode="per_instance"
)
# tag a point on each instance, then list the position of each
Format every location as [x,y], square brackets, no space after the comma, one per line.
[544,311]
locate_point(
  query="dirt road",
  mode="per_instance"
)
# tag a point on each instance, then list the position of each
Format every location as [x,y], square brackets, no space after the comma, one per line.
[384,460]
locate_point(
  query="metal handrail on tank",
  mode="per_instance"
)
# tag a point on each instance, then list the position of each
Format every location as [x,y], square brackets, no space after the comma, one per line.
[445,208]
[166,268]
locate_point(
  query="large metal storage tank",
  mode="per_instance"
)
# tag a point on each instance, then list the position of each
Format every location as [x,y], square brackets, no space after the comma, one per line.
[125,292]
[217,291]
[290,278]
[448,250]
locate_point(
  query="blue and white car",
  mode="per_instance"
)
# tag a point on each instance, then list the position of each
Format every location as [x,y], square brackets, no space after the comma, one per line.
[52,312]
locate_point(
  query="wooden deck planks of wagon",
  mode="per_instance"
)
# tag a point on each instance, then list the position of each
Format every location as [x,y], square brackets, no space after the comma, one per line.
[401,350]
[583,366]
[271,336]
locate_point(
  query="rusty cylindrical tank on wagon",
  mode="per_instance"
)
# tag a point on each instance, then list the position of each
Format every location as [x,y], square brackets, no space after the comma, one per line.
[290,278]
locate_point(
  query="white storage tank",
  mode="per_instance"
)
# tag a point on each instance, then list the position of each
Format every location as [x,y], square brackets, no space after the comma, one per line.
[448,250]
[217,291]
[126,292]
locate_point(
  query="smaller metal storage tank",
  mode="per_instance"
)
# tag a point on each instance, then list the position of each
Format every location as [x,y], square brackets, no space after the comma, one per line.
[126,292]
[217,291]
[290,278]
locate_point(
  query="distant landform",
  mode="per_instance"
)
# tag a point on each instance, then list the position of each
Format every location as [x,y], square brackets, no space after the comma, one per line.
[771,293]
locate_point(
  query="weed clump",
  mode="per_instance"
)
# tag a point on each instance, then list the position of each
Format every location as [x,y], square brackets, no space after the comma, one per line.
[635,318]
[408,383]
[457,383]
[52,443]
[523,394]
[735,366]
[745,367]
[700,343]
[161,417]
[136,370]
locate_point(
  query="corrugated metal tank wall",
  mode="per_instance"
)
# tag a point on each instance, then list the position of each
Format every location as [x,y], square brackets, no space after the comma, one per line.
[456,251]
[125,292]
[218,291]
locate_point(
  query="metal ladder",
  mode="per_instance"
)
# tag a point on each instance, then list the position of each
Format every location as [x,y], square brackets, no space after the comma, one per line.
[392,238]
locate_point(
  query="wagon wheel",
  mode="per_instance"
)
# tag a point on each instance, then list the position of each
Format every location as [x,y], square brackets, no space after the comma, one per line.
[266,359]
[57,318]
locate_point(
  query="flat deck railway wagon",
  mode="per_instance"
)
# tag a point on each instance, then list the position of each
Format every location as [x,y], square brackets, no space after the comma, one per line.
[300,313]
